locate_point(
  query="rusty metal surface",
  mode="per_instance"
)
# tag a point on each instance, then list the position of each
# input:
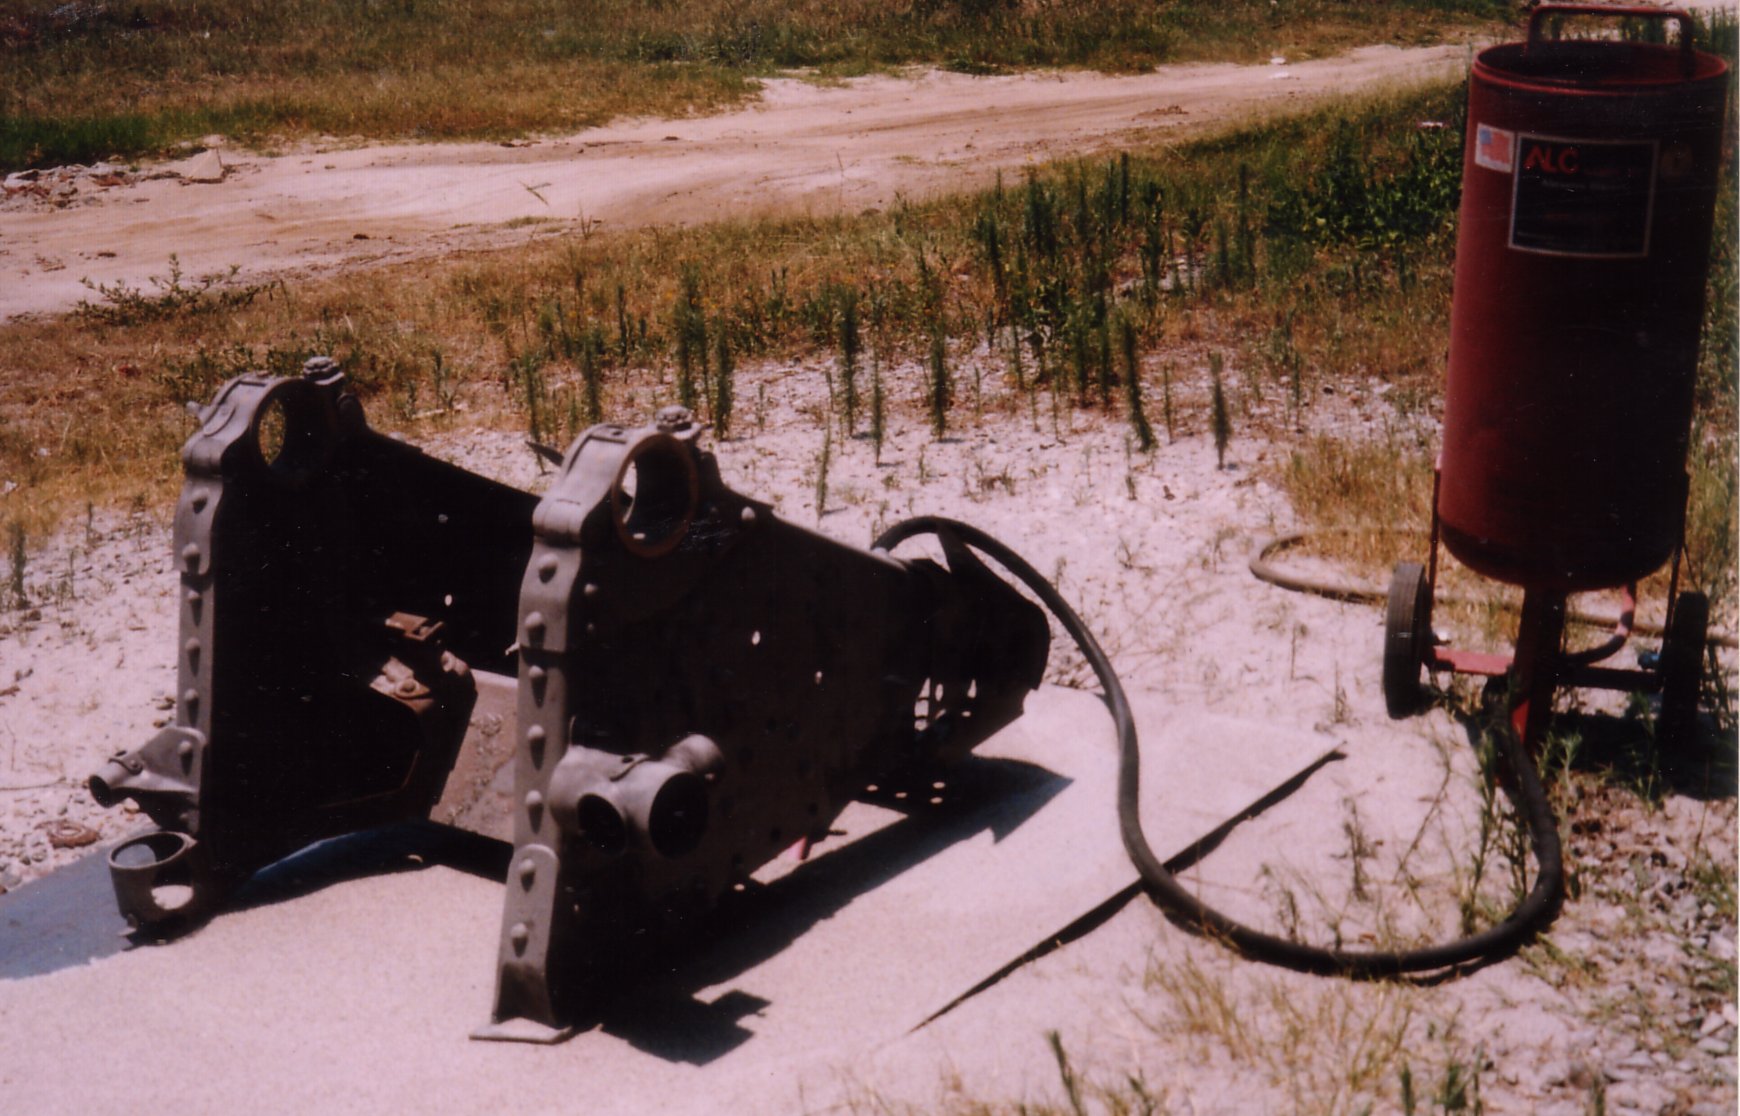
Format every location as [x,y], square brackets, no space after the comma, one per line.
[480,792]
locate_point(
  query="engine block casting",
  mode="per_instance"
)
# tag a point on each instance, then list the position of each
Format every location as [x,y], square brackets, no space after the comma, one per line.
[700,685]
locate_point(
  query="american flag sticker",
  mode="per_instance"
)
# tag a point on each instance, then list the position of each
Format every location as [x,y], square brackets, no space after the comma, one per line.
[1493,147]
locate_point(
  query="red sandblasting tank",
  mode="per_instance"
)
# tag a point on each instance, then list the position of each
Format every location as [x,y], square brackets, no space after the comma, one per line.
[1588,191]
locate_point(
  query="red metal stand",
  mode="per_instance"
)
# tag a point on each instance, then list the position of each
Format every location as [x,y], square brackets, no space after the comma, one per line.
[1539,666]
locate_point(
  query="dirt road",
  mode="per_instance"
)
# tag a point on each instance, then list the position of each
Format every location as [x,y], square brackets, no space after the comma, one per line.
[802,148]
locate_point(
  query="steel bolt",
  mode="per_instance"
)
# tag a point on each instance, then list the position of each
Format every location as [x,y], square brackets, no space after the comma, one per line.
[748,516]
[528,872]
[535,627]
[547,567]
[519,936]
[190,555]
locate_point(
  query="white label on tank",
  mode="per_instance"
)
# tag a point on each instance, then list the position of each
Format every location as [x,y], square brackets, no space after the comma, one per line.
[1583,197]
[1494,148]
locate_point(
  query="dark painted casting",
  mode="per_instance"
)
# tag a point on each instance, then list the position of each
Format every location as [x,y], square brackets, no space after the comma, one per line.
[701,685]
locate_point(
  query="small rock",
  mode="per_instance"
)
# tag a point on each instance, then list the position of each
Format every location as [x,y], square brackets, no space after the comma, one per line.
[67,834]
[1712,1023]
[1713,1045]
[204,167]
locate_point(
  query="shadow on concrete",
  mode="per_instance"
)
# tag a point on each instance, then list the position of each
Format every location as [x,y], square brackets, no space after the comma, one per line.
[664,1017]
[69,918]
[64,919]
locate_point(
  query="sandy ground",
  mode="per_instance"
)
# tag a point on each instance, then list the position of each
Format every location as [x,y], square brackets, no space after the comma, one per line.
[805,147]
[1627,1005]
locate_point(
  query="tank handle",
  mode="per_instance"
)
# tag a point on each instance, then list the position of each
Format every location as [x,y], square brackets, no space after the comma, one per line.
[1622,11]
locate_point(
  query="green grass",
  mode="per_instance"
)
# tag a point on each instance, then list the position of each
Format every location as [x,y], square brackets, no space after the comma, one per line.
[87,81]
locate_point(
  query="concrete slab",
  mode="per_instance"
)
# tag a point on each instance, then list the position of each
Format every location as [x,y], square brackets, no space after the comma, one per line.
[351,985]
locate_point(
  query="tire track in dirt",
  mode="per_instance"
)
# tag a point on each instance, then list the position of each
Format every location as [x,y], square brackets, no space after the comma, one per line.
[803,148]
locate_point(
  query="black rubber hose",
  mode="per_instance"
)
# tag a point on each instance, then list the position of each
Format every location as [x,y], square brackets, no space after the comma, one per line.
[1523,786]
[1264,568]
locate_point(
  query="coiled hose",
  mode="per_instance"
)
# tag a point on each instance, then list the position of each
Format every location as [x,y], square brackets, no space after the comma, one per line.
[1521,784]
[1265,568]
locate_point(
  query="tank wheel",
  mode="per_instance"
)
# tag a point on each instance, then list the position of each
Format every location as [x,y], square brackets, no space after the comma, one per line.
[1682,669]
[1407,637]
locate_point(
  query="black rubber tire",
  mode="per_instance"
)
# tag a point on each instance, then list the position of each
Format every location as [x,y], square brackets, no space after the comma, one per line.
[1407,637]
[1682,671]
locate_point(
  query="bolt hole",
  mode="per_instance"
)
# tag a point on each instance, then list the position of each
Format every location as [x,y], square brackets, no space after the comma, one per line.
[677,818]
[601,824]
[270,430]
[289,435]
[655,497]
